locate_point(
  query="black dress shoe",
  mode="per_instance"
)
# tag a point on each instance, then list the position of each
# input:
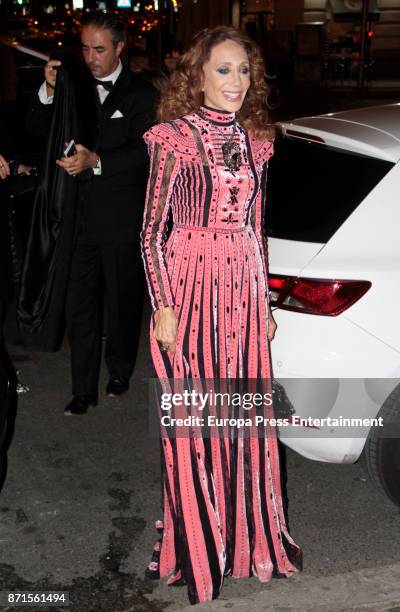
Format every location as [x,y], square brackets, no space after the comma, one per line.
[79,405]
[117,386]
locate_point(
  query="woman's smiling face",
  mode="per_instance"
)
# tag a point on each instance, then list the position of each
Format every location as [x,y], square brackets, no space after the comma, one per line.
[226,77]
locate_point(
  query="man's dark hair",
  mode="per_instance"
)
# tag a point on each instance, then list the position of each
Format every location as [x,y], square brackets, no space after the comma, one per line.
[104,21]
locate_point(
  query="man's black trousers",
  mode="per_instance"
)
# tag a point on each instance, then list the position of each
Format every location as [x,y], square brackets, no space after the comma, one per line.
[118,269]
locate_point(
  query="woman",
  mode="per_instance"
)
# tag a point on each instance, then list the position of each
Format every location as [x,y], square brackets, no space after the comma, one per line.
[222,496]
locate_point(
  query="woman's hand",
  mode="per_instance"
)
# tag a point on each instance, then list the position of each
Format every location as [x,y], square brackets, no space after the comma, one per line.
[4,168]
[165,328]
[271,326]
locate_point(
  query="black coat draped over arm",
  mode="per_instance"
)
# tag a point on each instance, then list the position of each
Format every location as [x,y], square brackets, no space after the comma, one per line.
[46,267]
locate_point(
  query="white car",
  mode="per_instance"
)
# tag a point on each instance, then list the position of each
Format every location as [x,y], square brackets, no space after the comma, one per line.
[333,221]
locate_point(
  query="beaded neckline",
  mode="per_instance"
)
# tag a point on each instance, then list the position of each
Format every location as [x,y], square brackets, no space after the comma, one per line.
[218,117]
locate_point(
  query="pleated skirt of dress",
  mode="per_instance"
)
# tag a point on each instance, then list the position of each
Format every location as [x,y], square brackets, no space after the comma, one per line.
[222,494]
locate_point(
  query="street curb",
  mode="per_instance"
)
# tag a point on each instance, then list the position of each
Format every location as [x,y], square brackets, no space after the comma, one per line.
[369,589]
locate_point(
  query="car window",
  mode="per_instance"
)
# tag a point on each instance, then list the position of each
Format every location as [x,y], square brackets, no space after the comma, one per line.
[313,188]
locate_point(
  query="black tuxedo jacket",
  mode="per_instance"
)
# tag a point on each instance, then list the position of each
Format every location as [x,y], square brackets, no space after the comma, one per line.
[112,203]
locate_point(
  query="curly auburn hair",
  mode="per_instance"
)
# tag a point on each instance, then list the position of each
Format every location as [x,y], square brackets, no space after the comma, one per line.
[183,95]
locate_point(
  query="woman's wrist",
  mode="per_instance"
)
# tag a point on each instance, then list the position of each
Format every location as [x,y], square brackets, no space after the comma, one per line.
[165,310]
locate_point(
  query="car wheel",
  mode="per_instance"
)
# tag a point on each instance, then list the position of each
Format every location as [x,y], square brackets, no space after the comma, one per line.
[380,458]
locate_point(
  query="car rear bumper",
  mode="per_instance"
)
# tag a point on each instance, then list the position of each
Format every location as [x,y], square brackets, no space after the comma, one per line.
[329,450]
[330,367]
[311,346]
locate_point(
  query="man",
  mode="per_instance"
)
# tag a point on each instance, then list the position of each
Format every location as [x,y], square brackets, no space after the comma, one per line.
[109,215]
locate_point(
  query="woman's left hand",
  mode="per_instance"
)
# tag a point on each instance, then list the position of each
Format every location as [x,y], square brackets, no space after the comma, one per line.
[271,326]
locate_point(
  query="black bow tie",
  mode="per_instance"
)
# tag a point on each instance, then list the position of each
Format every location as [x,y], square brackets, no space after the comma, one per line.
[108,85]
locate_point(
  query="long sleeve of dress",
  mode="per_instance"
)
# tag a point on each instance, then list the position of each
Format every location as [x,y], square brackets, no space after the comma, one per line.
[162,174]
[258,212]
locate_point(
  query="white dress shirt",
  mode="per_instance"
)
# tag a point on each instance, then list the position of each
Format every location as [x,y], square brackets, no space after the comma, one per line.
[103,93]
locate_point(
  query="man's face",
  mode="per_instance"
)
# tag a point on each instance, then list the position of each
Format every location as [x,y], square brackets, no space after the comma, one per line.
[99,53]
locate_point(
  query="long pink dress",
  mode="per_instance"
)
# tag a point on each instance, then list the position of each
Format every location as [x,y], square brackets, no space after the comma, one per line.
[222,497]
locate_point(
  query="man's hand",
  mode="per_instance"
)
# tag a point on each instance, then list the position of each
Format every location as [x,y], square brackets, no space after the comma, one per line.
[4,168]
[82,160]
[50,74]
[25,170]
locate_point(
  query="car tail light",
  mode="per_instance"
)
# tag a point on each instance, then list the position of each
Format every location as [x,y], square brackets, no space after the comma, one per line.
[315,296]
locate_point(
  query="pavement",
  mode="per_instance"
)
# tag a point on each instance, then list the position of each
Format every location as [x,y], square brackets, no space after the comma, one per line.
[369,589]
[82,495]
